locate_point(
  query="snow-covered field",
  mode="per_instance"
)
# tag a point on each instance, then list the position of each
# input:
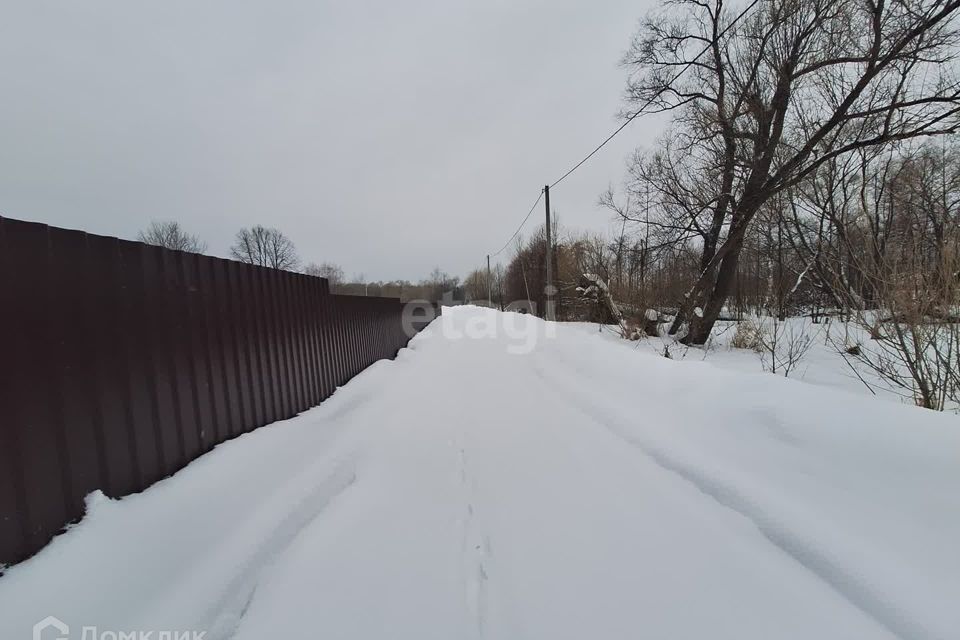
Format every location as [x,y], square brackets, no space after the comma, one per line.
[821,363]
[534,481]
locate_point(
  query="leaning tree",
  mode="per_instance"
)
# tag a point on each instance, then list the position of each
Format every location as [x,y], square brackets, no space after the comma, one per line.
[771,93]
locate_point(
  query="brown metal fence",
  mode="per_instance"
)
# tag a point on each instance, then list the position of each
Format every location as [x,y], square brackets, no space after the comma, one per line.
[121,362]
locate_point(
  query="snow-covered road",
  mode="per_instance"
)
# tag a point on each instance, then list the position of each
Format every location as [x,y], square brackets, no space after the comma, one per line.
[576,489]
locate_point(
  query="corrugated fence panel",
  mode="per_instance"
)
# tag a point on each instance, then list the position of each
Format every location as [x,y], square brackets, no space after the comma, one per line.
[140,379]
[13,505]
[86,466]
[122,362]
[27,414]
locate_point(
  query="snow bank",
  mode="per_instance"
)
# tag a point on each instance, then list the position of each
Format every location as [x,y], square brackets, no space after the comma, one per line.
[822,364]
[861,493]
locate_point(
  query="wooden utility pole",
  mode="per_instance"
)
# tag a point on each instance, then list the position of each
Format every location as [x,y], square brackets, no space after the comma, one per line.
[500,287]
[548,312]
[489,294]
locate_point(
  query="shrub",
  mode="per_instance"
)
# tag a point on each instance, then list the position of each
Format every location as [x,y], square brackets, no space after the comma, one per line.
[749,335]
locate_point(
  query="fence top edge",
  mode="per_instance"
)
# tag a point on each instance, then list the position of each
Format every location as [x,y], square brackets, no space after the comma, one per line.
[102,237]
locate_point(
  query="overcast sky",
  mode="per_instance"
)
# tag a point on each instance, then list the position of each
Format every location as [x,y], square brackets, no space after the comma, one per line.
[389,137]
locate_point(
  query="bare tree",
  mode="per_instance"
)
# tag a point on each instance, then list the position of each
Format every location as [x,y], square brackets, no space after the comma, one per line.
[170,235]
[478,286]
[265,247]
[915,339]
[793,86]
[900,268]
[332,272]
[440,283]
[784,347]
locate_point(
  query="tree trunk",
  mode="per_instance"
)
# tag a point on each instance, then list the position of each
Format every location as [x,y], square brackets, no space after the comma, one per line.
[702,325]
[678,320]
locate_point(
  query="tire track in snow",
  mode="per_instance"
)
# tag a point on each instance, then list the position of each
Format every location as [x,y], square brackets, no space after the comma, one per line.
[227,614]
[774,528]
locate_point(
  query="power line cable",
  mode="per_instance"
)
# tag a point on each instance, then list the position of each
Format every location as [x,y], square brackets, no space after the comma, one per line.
[529,213]
[630,119]
[656,95]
